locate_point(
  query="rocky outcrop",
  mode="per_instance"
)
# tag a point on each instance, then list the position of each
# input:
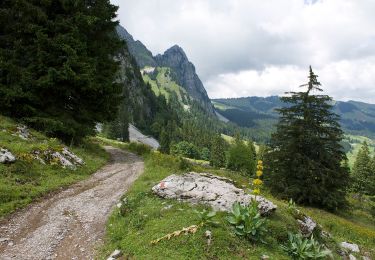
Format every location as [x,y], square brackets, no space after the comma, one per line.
[6,156]
[185,75]
[217,192]
[183,70]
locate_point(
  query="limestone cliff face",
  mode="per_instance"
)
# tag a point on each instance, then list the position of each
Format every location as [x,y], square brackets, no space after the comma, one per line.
[182,69]
[185,75]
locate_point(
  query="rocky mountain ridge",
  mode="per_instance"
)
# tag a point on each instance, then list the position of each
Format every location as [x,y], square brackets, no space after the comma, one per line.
[183,71]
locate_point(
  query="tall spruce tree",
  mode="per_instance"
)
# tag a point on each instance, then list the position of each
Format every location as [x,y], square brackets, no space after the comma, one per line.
[363,172]
[305,162]
[218,149]
[57,70]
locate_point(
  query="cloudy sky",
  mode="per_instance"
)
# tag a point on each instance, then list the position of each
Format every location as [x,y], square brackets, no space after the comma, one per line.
[264,47]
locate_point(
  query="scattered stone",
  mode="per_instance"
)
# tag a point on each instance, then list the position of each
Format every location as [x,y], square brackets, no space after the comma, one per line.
[65,163]
[264,257]
[218,192]
[208,235]
[167,207]
[352,257]
[6,156]
[118,205]
[4,239]
[306,225]
[37,157]
[366,258]
[115,254]
[72,157]
[350,246]
[11,243]
[23,132]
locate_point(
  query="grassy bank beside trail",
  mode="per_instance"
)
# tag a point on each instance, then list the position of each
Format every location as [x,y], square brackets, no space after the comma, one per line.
[145,217]
[26,180]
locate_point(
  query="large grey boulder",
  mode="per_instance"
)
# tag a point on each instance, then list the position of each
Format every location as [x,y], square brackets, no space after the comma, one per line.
[217,192]
[306,225]
[6,156]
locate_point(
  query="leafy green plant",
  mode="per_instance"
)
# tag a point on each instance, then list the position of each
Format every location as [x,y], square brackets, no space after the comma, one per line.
[299,247]
[206,217]
[247,221]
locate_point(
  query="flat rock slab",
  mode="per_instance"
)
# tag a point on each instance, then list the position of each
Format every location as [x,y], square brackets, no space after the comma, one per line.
[217,192]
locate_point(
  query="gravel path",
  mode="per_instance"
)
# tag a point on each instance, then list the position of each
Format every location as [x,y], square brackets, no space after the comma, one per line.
[70,224]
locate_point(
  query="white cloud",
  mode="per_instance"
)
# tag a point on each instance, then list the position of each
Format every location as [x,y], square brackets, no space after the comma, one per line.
[264,47]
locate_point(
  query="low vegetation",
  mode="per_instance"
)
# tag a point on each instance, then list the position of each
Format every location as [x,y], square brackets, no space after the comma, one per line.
[145,218]
[27,179]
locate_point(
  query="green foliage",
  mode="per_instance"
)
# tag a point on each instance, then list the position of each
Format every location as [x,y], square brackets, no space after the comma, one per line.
[57,65]
[139,148]
[206,217]
[304,248]
[306,152]
[364,172]
[218,156]
[205,154]
[185,149]
[184,164]
[242,157]
[247,221]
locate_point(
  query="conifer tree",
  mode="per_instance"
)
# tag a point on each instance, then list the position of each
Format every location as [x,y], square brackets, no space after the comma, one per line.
[241,156]
[57,67]
[218,149]
[305,160]
[363,172]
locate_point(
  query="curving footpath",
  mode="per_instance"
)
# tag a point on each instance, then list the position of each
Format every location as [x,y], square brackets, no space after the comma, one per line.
[70,224]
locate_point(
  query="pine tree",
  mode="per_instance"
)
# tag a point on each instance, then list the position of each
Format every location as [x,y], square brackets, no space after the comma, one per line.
[241,156]
[363,174]
[57,67]
[305,162]
[218,149]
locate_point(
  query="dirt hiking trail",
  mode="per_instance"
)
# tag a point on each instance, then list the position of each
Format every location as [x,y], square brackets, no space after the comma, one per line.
[70,224]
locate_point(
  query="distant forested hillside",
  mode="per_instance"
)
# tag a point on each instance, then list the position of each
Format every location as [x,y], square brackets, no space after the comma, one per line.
[357,118]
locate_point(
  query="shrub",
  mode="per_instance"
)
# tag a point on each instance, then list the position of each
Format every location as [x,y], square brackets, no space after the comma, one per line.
[205,154]
[304,248]
[241,157]
[247,221]
[139,148]
[185,149]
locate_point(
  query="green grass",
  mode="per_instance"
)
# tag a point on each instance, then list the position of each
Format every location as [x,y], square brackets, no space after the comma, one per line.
[146,219]
[164,85]
[27,179]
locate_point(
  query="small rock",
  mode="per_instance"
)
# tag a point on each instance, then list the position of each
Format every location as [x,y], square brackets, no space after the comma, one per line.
[23,132]
[10,243]
[264,257]
[167,207]
[349,246]
[6,156]
[4,239]
[366,258]
[72,157]
[63,161]
[307,226]
[352,257]
[118,205]
[115,254]
[208,235]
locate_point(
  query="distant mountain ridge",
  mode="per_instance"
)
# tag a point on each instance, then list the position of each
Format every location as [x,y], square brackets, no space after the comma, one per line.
[183,71]
[356,117]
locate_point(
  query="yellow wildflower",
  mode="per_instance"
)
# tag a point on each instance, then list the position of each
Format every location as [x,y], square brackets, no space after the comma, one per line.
[259,173]
[256,191]
[257,182]
[260,162]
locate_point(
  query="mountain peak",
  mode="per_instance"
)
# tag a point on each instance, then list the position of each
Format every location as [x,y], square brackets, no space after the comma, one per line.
[177,53]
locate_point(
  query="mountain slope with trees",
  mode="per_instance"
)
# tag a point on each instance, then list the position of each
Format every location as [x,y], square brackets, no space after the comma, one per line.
[356,118]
